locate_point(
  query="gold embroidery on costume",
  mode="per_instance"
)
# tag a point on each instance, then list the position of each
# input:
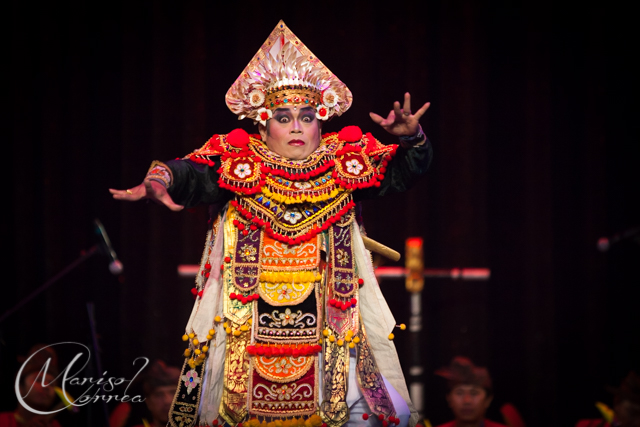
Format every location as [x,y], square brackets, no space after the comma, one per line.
[334,409]
[233,407]
[276,295]
[295,397]
[284,368]
[276,255]
[285,293]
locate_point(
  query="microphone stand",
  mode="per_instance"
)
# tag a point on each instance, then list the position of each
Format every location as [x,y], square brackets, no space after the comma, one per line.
[84,255]
[96,350]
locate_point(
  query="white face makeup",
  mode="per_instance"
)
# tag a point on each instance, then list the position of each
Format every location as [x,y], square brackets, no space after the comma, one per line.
[293,133]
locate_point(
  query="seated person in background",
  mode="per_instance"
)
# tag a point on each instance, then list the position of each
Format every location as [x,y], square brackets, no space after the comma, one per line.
[626,406]
[32,391]
[159,386]
[469,395]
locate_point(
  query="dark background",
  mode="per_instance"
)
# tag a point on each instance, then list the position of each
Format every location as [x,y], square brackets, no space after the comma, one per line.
[534,123]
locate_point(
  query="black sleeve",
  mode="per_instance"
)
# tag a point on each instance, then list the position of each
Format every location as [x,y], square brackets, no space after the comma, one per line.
[195,184]
[402,172]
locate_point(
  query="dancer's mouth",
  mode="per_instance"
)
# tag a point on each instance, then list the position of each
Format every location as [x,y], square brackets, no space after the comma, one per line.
[296,143]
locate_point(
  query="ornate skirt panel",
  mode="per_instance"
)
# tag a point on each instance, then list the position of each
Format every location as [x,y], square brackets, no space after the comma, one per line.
[280,301]
[288,325]
[283,386]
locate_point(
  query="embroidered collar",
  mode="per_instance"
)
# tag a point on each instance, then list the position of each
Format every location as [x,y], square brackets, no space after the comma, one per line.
[294,200]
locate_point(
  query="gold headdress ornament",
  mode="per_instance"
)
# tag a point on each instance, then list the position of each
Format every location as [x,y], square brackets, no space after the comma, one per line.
[285,72]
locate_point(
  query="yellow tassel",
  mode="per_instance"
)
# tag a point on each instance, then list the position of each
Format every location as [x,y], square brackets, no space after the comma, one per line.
[315,420]
[607,413]
[65,397]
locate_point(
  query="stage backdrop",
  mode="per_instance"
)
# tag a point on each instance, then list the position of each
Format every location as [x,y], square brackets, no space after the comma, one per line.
[534,124]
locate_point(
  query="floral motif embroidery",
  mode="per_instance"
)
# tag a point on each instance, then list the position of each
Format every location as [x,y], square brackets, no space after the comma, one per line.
[285,293]
[284,392]
[354,167]
[279,320]
[288,318]
[286,249]
[283,366]
[191,380]
[282,369]
[302,185]
[292,216]
[242,170]
[342,257]
[248,253]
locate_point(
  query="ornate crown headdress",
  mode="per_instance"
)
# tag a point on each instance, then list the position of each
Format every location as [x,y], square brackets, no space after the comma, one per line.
[285,72]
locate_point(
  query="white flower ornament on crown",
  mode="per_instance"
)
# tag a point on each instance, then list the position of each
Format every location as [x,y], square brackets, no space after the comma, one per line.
[284,72]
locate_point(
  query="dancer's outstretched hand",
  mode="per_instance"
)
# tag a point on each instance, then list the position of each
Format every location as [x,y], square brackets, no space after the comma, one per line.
[400,121]
[149,189]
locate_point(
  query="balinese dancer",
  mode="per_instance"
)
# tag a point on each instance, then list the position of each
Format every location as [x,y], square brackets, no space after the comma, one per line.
[289,327]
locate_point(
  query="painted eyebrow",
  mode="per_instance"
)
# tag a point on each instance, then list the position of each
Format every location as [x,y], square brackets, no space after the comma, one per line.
[286,110]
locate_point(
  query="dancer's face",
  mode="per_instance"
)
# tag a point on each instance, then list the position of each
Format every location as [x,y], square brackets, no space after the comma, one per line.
[292,133]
